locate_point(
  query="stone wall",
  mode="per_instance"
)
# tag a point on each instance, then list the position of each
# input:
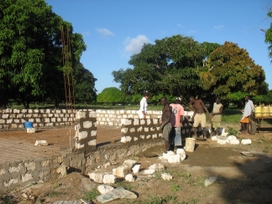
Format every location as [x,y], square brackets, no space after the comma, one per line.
[12,119]
[133,130]
[86,130]
[17,175]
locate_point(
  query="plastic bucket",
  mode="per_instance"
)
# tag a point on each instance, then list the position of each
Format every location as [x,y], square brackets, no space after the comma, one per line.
[28,125]
[190,144]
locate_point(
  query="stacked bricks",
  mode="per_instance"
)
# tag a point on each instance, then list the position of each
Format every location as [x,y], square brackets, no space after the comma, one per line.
[86,130]
[133,130]
[113,117]
[12,119]
[15,118]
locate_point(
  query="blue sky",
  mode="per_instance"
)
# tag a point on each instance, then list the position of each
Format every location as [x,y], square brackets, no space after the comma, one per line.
[113,30]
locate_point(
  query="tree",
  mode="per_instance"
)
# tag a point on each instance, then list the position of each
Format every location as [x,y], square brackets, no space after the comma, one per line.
[168,67]
[268,35]
[31,51]
[84,85]
[232,74]
[111,95]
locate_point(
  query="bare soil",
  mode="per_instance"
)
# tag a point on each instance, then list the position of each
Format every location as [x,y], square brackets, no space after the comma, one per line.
[240,178]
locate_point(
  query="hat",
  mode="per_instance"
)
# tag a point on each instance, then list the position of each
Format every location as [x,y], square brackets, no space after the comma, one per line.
[178,99]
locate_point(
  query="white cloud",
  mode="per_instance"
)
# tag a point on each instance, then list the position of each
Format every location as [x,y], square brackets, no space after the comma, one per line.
[179,25]
[134,45]
[86,33]
[192,31]
[105,31]
[218,27]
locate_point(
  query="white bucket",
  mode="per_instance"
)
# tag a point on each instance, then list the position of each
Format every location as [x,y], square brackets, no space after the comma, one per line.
[190,144]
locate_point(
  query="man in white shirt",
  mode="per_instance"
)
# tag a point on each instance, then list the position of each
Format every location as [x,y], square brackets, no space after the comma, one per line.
[143,106]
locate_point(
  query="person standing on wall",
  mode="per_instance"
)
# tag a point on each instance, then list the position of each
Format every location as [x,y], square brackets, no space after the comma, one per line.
[143,106]
[176,122]
[166,123]
[248,110]
[216,115]
[199,116]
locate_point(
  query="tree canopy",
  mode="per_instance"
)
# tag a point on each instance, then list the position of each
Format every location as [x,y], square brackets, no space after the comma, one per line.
[268,35]
[111,95]
[31,52]
[181,66]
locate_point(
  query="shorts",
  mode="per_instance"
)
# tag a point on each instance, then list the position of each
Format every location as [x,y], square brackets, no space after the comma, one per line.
[216,125]
[244,120]
[166,131]
[200,118]
[176,136]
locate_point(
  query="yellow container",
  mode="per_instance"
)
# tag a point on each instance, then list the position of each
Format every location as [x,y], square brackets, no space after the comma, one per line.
[258,111]
[265,111]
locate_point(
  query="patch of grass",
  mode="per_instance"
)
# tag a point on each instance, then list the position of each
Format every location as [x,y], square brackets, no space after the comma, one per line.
[91,195]
[53,194]
[175,188]
[126,185]
[232,131]
[7,199]
[157,175]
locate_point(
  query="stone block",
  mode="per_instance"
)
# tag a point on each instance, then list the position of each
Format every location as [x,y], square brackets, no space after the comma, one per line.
[27,177]
[9,121]
[174,159]
[129,163]
[79,146]
[126,121]
[146,129]
[2,171]
[136,168]
[92,142]
[166,176]
[13,169]
[121,171]
[93,133]
[41,143]
[10,182]
[5,116]
[62,170]
[96,177]
[16,111]
[2,121]
[14,126]
[80,115]
[82,135]
[108,179]
[129,178]
[30,166]
[87,124]
[103,189]
[30,130]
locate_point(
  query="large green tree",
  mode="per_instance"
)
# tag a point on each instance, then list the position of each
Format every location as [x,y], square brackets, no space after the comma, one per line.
[231,74]
[167,67]
[111,95]
[85,91]
[31,51]
[268,35]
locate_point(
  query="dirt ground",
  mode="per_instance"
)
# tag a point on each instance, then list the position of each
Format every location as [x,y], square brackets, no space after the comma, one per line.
[240,178]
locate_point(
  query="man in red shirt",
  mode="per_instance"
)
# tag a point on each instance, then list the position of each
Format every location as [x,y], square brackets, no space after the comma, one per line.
[176,121]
